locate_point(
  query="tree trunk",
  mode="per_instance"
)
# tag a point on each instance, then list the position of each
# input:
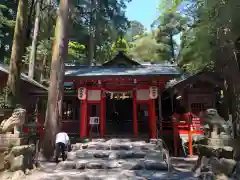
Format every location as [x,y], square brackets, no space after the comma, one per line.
[55,92]
[97,27]
[34,41]
[235,106]
[91,48]
[17,53]
[42,68]
[29,23]
[172,48]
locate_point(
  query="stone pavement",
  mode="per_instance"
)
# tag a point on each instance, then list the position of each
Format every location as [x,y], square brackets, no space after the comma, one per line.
[115,159]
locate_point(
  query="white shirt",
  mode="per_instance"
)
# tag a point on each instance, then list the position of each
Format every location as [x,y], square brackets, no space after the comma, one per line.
[62,137]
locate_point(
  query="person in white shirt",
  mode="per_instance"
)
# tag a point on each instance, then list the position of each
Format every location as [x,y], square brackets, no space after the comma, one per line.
[62,142]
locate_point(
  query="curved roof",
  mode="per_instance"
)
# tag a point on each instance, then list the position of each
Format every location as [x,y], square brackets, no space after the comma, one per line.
[153,70]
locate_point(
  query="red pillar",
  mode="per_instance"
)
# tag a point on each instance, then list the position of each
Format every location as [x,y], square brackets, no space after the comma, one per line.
[83,119]
[153,119]
[135,125]
[105,117]
[102,116]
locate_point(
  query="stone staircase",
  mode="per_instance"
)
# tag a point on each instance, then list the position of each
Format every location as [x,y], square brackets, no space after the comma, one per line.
[114,159]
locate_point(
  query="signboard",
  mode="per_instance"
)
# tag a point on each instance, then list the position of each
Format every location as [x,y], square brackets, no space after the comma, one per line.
[94,121]
[119,95]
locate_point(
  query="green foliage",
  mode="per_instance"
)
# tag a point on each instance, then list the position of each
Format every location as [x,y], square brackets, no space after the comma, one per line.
[7,21]
[104,20]
[4,20]
[146,49]
[108,21]
[75,51]
[44,48]
[120,45]
[169,5]
[198,39]
[169,24]
[136,30]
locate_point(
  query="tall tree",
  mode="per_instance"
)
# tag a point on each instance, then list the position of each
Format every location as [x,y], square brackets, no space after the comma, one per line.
[146,49]
[8,11]
[135,30]
[210,40]
[34,40]
[55,92]
[17,53]
[171,24]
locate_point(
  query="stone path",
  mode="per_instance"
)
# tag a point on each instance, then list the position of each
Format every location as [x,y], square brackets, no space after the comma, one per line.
[115,159]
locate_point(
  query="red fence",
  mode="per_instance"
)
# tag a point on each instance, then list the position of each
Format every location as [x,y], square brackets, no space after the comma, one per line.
[178,129]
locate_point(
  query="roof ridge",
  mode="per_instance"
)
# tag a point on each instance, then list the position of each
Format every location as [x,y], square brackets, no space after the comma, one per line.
[23,76]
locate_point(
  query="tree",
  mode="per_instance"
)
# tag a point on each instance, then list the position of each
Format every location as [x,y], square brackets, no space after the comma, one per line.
[17,54]
[135,30]
[120,45]
[101,23]
[211,40]
[76,52]
[146,49]
[171,24]
[8,11]
[34,40]
[55,92]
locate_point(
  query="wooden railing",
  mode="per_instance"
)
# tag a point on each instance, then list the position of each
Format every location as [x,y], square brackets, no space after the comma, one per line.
[182,128]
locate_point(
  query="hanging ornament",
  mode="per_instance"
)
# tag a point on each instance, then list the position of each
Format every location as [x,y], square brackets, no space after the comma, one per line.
[82,93]
[153,92]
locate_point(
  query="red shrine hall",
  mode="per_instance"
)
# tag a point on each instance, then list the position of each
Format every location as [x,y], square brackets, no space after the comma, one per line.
[121,97]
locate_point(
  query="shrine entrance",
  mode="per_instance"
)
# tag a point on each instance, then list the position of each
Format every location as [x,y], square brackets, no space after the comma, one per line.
[119,113]
[143,118]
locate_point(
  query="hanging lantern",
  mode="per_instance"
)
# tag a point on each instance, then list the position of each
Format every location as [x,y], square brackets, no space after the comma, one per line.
[82,93]
[153,92]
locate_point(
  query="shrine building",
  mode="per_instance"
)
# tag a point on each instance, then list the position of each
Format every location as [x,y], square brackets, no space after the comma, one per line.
[93,96]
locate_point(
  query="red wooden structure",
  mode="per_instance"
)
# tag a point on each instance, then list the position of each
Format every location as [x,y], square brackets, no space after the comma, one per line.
[96,86]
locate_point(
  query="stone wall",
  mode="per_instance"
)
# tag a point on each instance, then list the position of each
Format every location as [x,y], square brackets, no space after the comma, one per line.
[18,158]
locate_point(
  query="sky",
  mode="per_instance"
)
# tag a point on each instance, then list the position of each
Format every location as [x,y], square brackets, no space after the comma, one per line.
[144,11]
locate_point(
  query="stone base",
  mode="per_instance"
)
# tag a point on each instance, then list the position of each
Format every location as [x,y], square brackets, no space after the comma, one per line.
[219,142]
[10,140]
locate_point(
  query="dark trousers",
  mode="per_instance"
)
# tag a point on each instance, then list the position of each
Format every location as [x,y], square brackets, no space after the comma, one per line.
[60,148]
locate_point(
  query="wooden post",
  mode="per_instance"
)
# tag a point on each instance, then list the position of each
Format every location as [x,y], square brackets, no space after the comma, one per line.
[102,110]
[171,94]
[105,118]
[153,119]
[175,138]
[83,119]
[135,124]
[160,110]
[190,140]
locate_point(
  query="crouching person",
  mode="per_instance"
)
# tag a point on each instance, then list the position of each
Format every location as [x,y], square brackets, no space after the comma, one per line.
[62,144]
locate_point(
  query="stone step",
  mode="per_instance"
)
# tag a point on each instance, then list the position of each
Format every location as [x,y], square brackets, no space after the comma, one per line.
[133,164]
[113,175]
[117,154]
[114,146]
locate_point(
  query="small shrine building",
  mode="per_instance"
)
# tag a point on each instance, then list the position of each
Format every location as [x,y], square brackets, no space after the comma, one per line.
[122,86]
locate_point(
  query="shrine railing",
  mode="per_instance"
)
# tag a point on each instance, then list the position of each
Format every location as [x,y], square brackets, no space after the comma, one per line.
[187,132]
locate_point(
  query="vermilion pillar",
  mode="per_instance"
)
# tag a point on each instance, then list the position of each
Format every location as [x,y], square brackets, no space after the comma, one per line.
[102,116]
[83,119]
[152,118]
[135,124]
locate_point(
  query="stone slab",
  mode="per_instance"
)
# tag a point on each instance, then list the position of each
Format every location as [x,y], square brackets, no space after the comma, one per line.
[9,140]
